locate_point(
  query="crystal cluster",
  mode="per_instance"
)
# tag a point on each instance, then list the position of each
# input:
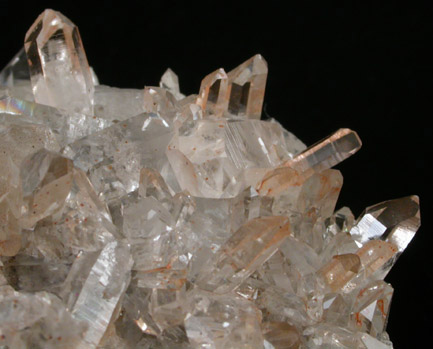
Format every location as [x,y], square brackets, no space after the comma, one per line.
[149,219]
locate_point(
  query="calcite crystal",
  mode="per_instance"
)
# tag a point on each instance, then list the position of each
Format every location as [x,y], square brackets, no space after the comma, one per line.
[149,219]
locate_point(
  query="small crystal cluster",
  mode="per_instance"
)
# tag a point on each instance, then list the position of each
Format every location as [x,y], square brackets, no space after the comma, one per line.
[149,219]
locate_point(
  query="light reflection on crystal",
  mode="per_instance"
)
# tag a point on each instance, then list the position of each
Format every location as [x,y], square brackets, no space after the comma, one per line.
[144,218]
[58,65]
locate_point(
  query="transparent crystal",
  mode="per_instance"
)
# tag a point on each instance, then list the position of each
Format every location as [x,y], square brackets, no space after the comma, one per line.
[371,308]
[114,156]
[246,88]
[395,221]
[321,156]
[223,322]
[62,209]
[95,293]
[170,81]
[144,218]
[37,320]
[216,159]
[246,250]
[117,104]
[66,126]
[58,65]
[16,71]
[212,97]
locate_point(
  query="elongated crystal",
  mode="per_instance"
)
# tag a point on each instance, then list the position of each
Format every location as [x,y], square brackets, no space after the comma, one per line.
[59,71]
[247,249]
[321,156]
[340,270]
[246,88]
[395,221]
[371,308]
[98,292]
[377,257]
[212,97]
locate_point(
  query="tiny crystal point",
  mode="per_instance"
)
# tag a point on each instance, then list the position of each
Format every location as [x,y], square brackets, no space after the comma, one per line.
[59,71]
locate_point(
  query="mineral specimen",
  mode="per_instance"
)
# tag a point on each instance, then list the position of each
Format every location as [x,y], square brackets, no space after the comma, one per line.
[150,219]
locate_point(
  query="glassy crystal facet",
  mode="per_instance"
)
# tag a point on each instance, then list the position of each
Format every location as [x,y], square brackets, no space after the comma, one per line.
[144,218]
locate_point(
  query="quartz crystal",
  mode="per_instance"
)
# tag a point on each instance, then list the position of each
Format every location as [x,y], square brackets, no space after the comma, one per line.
[59,71]
[144,218]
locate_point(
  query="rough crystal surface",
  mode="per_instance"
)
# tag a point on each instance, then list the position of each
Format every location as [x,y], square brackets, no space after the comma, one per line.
[144,218]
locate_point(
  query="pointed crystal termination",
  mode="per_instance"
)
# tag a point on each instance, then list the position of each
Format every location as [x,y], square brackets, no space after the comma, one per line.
[17,70]
[99,291]
[371,308]
[395,221]
[377,258]
[246,250]
[246,88]
[59,71]
[343,273]
[170,82]
[212,97]
[340,270]
[319,157]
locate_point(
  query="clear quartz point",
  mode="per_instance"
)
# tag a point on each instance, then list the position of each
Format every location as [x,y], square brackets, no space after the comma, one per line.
[321,156]
[59,71]
[212,97]
[246,250]
[170,81]
[394,221]
[371,308]
[94,293]
[246,88]
[16,71]
[219,158]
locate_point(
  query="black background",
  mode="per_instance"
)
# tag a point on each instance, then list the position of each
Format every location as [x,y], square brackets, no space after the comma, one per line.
[367,67]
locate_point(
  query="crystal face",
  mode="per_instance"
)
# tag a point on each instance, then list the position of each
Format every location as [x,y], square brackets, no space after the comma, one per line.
[144,218]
